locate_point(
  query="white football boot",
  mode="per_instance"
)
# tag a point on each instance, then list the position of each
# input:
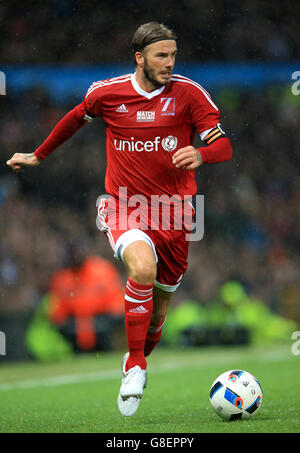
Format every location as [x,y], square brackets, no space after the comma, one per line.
[133,383]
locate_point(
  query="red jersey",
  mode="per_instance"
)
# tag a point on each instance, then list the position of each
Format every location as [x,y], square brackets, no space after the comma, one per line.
[145,129]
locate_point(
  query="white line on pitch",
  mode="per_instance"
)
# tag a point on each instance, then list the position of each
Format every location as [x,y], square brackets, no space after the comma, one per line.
[116,374]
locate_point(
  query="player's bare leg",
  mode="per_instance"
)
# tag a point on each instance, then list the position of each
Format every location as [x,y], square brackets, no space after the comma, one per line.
[161,301]
[140,262]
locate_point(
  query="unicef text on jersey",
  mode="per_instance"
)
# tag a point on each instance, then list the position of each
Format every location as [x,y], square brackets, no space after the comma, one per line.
[155,212]
[168,144]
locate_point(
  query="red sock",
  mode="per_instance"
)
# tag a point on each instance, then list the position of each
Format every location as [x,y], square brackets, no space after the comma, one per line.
[138,310]
[153,338]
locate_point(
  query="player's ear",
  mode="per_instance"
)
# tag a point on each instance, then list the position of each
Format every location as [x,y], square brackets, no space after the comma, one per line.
[139,58]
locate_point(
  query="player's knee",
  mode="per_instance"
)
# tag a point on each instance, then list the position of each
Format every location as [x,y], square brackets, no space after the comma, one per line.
[140,262]
[143,271]
[144,274]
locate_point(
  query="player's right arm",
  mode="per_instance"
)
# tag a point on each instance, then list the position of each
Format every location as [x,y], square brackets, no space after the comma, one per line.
[18,160]
[62,132]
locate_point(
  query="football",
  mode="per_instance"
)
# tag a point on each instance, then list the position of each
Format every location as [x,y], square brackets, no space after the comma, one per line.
[236,395]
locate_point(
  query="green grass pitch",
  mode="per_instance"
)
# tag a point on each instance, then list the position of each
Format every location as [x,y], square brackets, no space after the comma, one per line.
[80,394]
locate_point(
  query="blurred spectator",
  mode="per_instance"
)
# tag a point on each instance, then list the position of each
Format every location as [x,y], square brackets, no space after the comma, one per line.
[233,306]
[86,299]
[42,339]
[82,309]
[233,317]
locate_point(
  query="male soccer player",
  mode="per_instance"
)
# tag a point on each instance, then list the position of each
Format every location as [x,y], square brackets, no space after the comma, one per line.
[151,119]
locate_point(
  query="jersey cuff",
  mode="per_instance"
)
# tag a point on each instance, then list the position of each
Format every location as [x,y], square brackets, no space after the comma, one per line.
[203,155]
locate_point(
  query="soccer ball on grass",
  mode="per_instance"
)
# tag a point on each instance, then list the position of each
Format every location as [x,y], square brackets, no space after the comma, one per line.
[236,395]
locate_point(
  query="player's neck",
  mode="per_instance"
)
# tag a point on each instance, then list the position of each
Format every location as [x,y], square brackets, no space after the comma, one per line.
[144,83]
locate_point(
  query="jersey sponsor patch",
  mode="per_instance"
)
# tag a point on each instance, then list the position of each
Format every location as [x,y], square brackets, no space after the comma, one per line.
[168,106]
[144,117]
[169,143]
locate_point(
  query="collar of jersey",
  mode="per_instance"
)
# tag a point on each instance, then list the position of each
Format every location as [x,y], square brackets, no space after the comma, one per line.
[139,90]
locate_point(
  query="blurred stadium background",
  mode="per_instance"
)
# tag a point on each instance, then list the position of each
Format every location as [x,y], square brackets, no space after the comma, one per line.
[244,54]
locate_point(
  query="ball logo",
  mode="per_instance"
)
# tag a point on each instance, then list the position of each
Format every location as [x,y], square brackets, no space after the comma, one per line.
[169,143]
[232,378]
[238,402]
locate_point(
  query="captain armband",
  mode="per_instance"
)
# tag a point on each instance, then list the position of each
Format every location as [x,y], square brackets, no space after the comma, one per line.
[214,134]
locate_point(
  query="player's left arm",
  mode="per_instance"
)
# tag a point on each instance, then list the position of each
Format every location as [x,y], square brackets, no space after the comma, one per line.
[190,158]
[205,117]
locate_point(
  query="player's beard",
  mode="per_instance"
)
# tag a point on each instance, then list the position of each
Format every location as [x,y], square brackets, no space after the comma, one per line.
[149,75]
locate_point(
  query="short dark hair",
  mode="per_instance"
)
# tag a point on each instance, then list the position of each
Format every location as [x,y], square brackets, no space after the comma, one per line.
[148,34]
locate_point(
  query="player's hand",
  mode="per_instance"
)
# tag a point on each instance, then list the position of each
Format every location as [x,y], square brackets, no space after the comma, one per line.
[20,159]
[188,157]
